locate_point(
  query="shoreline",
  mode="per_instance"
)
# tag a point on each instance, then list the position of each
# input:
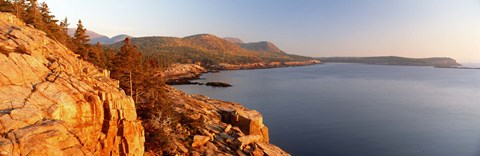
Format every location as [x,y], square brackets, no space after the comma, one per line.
[230,126]
[460,67]
[184,74]
[224,126]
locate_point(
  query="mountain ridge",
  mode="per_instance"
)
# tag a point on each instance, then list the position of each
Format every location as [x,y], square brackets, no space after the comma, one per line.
[97,37]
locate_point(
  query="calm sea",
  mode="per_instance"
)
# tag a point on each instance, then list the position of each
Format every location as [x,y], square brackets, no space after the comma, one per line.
[356,109]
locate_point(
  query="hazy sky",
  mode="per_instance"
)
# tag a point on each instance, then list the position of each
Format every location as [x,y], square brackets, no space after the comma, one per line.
[411,28]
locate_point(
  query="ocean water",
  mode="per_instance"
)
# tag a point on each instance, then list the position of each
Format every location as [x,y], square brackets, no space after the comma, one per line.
[356,109]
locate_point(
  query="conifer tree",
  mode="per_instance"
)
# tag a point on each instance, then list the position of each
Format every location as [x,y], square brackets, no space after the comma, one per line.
[80,40]
[80,35]
[6,6]
[46,14]
[19,9]
[33,15]
[51,27]
[127,64]
[64,25]
[95,55]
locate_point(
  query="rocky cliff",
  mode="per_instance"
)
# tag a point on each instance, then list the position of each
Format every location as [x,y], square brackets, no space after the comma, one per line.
[219,128]
[52,103]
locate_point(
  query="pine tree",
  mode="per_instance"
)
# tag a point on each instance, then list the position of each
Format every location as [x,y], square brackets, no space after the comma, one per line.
[46,14]
[64,25]
[51,27]
[80,40]
[80,35]
[19,9]
[95,55]
[33,15]
[6,6]
[127,64]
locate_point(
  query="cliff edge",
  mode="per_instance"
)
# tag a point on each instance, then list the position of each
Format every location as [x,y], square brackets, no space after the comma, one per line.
[52,103]
[215,127]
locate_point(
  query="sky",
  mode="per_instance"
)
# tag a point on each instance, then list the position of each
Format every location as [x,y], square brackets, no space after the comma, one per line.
[319,28]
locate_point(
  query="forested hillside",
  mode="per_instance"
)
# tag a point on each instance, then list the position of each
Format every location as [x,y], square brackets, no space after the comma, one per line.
[205,48]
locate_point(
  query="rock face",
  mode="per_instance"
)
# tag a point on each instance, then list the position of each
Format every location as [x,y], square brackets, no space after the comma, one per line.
[223,128]
[52,103]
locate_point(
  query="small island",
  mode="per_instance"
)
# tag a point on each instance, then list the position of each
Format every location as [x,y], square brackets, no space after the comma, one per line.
[218,84]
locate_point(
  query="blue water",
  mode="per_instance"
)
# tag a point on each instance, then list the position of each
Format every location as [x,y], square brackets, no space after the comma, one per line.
[355,109]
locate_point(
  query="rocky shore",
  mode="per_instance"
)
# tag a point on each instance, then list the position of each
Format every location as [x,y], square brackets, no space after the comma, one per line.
[52,103]
[225,66]
[221,128]
[180,74]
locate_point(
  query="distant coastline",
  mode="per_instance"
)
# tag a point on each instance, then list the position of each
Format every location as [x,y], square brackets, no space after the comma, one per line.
[182,74]
[456,67]
[394,60]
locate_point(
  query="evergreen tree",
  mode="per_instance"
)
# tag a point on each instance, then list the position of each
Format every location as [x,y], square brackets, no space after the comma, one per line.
[19,9]
[127,64]
[51,27]
[95,55]
[33,15]
[80,35]
[64,25]
[6,6]
[46,14]
[108,57]
[80,40]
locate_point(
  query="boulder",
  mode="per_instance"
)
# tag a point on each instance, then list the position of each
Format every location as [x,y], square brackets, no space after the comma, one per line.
[200,140]
[246,140]
[249,122]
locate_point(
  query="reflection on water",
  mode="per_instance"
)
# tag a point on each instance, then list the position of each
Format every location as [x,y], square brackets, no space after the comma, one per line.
[354,109]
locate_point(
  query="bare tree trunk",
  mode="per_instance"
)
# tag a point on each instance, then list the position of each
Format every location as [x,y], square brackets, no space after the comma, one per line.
[131,86]
[136,95]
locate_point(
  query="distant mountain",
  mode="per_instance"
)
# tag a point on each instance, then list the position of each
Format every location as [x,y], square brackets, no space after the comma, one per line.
[91,34]
[395,60]
[118,38]
[264,46]
[96,37]
[206,48]
[233,40]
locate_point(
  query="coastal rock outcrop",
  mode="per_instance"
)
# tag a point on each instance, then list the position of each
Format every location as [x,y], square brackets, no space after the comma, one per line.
[52,103]
[182,73]
[220,127]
